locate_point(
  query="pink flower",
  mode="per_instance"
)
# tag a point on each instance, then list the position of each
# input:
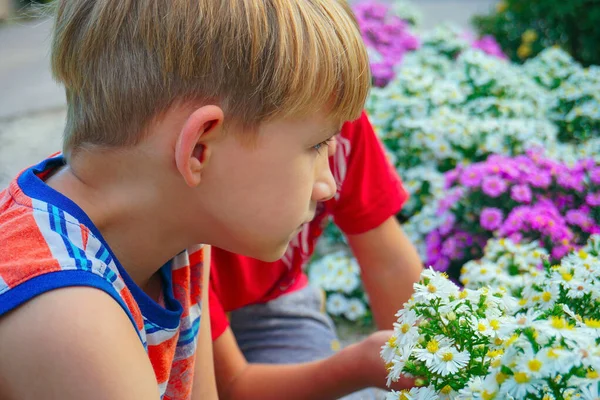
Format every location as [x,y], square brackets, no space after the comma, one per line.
[595,175]
[448,224]
[570,181]
[471,176]
[579,218]
[441,264]
[493,186]
[451,176]
[491,218]
[540,179]
[489,45]
[560,251]
[521,193]
[593,199]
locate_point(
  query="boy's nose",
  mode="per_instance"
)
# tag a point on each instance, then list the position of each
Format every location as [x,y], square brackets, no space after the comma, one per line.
[325,187]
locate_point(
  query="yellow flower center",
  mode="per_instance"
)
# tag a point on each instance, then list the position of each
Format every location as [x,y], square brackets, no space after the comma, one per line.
[498,341]
[591,374]
[485,395]
[392,341]
[405,328]
[500,378]
[448,357]
[481,327]
[496,363]
[511,339]
[462,295]
[582,254]
[534,365]
[552,353]
[403,395]
[567,276]
[559,323]
[592,323]
[446,389]
[521,377]
[433,346]
[431,288]
[546,296]
[523,302]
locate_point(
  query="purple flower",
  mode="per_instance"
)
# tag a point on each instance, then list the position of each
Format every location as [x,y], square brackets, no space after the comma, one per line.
[489,45]
[451,176]
[448,224]
[449,247]
[449,200]
[540,179]
[595,175]
[494,186]
[579,218]
[570,181]
[521,193]
[471,176]
[563,201]
[593,199]
[516,237]
[560,251]
[464,239]
[491,218]
[441,264]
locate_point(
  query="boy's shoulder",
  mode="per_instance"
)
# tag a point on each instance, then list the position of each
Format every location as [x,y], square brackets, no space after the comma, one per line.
[45,247]
[78,344]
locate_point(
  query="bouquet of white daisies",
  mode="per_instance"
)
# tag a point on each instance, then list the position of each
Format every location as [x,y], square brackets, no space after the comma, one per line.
[506,340]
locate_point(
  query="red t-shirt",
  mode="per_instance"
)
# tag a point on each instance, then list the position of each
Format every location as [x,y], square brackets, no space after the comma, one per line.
[369,192]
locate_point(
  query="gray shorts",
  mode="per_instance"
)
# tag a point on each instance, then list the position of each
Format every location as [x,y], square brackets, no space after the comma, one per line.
[290,329]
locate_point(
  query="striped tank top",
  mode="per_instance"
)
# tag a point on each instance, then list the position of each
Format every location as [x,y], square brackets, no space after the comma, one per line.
[47,242]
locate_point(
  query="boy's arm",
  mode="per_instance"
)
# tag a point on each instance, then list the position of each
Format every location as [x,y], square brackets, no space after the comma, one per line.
[390,265]
[353,368]
[73,343]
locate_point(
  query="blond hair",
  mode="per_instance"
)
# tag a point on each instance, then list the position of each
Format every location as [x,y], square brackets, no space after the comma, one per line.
[124,62]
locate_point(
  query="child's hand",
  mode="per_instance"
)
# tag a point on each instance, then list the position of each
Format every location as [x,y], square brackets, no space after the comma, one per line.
[372,367]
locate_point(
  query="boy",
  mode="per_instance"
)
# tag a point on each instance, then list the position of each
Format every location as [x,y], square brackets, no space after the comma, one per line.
[188,122]
[276,317]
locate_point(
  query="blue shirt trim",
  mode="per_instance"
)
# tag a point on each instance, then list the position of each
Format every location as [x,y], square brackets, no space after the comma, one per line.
[47,282]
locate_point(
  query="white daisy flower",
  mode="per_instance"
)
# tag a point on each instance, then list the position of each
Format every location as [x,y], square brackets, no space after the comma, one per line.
[431,352]
[449,361]
[406,327]
[337,304]
[519,385]
[420,393]
[355,309]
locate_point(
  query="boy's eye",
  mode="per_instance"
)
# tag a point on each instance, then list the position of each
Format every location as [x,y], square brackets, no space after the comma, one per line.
[324,143]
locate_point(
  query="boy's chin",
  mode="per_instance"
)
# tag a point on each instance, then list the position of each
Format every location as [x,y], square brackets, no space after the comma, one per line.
[271,254]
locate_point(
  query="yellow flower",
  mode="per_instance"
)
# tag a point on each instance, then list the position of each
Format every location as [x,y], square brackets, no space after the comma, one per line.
[501,7]
[524,51]
[529,36]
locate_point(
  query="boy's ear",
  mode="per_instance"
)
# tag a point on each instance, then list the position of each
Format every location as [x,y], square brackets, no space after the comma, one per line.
[192,150]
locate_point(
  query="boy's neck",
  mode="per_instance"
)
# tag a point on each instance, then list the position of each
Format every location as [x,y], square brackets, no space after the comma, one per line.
[131,204]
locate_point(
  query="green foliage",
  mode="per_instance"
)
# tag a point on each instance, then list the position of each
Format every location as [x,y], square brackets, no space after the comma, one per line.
[526,27]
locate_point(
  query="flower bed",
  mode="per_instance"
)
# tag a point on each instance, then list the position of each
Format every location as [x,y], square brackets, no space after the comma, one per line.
[524,198]
[537,341]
